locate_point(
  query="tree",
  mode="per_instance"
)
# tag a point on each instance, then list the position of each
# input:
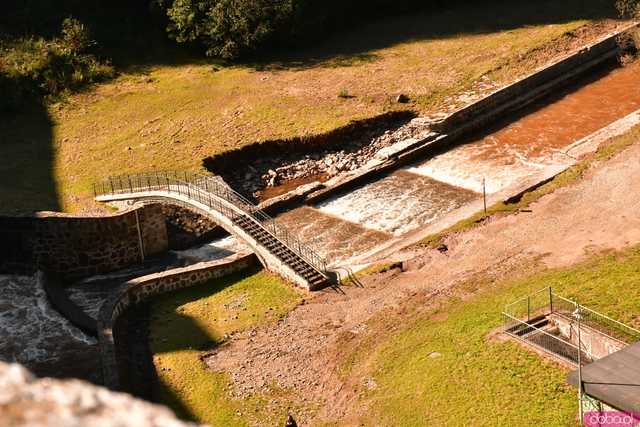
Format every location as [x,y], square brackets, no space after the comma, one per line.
[229,28]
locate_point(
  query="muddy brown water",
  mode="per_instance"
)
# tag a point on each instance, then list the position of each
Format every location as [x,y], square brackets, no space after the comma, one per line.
[424,192]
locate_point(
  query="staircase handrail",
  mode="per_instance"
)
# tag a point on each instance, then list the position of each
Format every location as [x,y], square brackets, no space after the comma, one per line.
[163,180]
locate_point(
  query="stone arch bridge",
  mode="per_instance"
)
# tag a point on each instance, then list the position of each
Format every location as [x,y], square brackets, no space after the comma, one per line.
[278,249]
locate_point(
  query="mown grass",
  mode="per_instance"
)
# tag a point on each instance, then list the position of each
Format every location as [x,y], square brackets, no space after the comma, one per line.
[563,179]
[173,116]
[185,324]
[477,381]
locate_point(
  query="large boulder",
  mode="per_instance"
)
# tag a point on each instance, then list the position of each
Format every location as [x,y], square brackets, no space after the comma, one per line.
[28,401]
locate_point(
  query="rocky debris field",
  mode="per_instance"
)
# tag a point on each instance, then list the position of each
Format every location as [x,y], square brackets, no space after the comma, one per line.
[278,169]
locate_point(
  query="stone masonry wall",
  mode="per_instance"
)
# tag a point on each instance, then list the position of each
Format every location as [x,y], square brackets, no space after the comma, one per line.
[143,288]
[77,247]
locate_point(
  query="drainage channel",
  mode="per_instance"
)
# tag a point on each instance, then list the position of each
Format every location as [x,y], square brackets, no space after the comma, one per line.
[509,152]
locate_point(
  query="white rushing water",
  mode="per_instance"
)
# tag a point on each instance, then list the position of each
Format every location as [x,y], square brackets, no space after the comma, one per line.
[466,166]
[397,203]
[29,326]
[214,250]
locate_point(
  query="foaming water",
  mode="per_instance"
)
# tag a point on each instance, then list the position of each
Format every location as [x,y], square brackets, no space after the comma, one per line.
[537,140]
[34,334]
[333,238]
[397,203]
[214,250]
[495,173]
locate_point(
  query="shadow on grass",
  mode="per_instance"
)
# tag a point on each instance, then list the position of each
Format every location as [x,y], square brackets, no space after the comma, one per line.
[27,180]
[179,333]
[360,43]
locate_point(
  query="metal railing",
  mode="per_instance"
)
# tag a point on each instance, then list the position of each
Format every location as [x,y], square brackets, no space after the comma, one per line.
[545,302]
[543,340]
[209,191]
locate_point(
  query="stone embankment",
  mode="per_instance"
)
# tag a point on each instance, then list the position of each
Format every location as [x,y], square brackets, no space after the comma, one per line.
[272,162]
[114,370]
[77,246]
[331,162]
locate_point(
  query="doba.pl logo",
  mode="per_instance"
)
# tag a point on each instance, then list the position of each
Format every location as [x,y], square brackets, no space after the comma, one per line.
[611,419]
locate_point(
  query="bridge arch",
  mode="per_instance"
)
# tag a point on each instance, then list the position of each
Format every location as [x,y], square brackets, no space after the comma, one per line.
[278,250]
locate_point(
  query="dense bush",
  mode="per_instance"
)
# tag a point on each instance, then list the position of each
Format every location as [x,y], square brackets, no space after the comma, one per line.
[33,68]
[231,28]
[628,8]
[228,27]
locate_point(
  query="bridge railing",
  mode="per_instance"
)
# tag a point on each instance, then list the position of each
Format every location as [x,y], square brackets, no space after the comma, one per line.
[208,190]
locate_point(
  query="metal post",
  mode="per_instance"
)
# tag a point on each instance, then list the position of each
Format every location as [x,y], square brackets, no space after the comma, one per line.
[140,242]
[529,308]
[580,390]
[484,194]
[550,301]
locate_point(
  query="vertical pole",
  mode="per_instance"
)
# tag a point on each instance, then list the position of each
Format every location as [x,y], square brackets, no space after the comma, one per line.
[580,391]
[484,194]
[140,242]
[529,308]
[550,301]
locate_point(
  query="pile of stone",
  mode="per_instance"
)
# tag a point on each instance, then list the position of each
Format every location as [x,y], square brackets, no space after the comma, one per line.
[326,163]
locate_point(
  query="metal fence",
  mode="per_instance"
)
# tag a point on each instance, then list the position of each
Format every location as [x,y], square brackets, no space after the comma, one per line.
[545,302]
[542,339]
[209,191]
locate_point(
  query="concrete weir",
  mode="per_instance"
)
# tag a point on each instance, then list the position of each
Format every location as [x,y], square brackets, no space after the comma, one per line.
[398,199]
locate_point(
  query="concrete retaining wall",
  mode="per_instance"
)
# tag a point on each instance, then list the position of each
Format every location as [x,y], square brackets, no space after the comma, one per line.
[143,288]
[595,343]
[76,247]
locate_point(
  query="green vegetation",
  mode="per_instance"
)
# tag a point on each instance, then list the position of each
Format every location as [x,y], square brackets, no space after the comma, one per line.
[33,68]
[173,116]
[563,179]
[628,8]
[186,324]
[442,365]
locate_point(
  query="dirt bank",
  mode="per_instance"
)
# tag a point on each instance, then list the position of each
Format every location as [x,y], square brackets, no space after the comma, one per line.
[305,350]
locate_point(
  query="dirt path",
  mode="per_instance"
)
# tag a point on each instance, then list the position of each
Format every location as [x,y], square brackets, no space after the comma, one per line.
[304,351]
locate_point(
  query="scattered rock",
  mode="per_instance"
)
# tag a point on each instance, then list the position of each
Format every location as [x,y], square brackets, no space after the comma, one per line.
[402,99]
[434,355]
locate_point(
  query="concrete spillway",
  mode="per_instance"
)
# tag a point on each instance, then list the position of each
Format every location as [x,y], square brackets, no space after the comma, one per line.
[510,152]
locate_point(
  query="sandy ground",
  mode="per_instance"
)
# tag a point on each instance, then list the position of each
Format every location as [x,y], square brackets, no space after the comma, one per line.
[304,350]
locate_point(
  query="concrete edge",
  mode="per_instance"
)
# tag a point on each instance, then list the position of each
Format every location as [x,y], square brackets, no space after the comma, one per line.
[141,289]
[61,302]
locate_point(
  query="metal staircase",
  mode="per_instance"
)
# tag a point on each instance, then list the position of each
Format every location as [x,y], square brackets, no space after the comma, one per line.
[228,205]
[288,256]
